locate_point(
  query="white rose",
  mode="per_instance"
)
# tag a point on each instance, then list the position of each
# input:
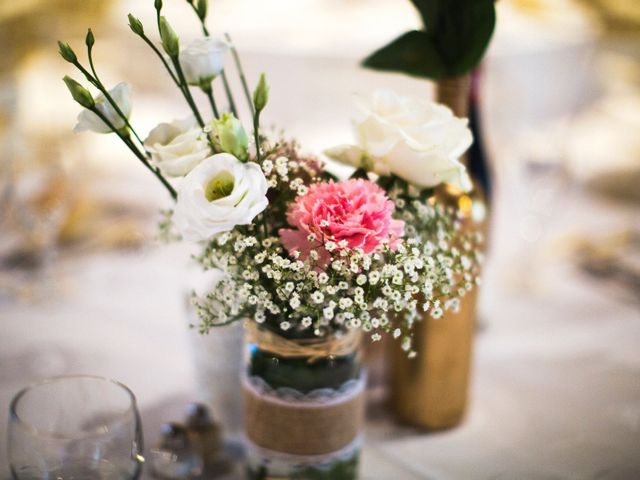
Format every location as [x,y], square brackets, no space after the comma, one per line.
[177,147]
[417,140]
[87,120]
[220,193]
[203,60]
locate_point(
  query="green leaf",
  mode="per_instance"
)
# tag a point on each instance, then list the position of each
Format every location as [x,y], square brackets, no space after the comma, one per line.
[463,33]
[413,53]
[455,36]
[360,173]
[428,10]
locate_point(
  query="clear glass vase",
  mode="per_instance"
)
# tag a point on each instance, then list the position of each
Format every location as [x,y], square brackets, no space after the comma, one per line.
[304,406]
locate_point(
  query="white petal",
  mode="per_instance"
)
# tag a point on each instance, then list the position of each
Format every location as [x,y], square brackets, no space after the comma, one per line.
[348,154]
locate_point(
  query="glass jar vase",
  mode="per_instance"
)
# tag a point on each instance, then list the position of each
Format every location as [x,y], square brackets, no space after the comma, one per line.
[304,405]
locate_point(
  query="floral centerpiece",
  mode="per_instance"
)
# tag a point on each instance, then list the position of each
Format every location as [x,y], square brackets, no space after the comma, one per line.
[310,262]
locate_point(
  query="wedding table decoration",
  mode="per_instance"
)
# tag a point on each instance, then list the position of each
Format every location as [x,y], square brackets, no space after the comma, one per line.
[431,391]
[312,264]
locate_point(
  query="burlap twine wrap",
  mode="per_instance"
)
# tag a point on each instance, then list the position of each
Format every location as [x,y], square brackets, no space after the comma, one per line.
[306,426]
[313,348]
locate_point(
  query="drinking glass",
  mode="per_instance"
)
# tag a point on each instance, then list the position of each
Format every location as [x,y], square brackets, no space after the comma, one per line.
[75,428]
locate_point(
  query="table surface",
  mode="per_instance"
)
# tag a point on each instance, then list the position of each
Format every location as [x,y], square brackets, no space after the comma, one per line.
[556,374]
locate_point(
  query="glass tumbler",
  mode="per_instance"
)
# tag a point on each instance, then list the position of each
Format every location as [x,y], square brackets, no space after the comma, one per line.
[75,428]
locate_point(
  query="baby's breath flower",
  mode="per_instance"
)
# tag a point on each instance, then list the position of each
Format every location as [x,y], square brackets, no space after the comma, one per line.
[345,303]
[267,166]
[355,322]
[263,281]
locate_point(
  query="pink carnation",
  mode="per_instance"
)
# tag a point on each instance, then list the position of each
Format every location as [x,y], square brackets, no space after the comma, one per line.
[354,211]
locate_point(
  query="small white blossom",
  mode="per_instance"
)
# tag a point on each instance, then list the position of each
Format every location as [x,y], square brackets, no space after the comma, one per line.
[317,296]
[267,167]
[345,303]
[285,325]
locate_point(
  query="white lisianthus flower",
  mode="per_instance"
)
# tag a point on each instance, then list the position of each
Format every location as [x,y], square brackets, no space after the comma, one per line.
[218,194]
[177,147]
[87,120]
[415,139]
[203,60]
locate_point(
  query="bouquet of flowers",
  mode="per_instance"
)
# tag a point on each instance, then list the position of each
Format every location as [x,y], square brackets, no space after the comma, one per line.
[308,260]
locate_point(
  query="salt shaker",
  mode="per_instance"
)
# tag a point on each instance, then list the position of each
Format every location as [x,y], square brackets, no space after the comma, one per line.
[175,457]
[205,435]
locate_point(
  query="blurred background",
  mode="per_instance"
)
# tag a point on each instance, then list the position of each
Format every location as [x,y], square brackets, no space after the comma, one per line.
[86,287]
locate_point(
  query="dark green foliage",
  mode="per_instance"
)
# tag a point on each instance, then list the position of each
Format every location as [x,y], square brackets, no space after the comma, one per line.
[300,374]
[455,36]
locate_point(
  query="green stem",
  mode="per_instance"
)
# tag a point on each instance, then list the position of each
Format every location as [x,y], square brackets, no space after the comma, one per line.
[127,141]
[236,59]
[162,59]
[209,92]
[205,31]
[265,230]
[185,90]
[256,135]
[227,88]
[227,91]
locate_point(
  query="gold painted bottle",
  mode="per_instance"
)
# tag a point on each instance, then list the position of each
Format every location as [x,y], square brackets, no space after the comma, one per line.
[431,390]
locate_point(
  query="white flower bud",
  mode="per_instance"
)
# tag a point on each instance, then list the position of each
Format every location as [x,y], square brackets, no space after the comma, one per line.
[203,60]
